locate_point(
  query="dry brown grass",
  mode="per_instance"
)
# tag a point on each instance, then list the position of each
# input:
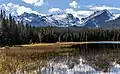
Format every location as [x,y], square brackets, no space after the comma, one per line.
[29,57]
[53,45]
[42,47]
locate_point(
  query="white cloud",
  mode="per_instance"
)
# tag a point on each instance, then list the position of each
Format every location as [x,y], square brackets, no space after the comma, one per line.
[69,10]
[79,13]
[34,2]
[73,4]
[52,10]
[20,10]
[16,9]
[102,7]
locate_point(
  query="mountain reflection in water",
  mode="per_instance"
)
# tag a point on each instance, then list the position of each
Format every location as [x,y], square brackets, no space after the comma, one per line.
[87,59]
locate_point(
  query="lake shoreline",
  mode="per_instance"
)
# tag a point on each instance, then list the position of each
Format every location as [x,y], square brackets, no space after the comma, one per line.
[50,47]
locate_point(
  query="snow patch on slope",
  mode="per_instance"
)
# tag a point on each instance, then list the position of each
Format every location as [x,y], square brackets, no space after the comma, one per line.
[59,17]
[116,16]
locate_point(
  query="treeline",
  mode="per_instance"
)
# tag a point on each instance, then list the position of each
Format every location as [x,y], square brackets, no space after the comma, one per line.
[14,32]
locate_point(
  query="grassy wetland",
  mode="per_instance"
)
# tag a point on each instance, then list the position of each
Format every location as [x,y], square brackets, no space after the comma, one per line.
[27,59]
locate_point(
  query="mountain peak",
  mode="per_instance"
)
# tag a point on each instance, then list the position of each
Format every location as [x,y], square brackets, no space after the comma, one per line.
[97,18]
[97,13]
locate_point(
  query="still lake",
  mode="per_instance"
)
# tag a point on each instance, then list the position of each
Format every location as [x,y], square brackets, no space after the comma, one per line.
[91,58]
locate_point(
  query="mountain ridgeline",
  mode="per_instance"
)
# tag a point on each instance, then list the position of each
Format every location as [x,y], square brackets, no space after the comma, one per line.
[14,32]
[55,20]
[98,19]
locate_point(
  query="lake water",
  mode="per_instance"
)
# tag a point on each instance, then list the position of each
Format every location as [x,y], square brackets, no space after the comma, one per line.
[86,59]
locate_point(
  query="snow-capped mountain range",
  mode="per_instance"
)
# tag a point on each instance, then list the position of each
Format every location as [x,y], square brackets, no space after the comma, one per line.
[68,20]
[58,20]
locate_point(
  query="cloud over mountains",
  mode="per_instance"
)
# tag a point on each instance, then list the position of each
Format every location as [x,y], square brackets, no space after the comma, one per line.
[15,9]
[52,10]
[73,7]
[93,7]
[34,2]
[73,4]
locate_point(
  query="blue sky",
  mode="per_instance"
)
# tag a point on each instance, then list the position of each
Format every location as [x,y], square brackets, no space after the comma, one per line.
[55,6]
